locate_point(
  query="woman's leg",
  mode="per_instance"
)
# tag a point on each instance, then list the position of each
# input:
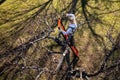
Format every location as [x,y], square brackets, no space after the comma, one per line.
[68,60]
[75,60]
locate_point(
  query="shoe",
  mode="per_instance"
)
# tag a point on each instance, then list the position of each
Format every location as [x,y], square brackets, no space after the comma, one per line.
[71,73]
[77,74]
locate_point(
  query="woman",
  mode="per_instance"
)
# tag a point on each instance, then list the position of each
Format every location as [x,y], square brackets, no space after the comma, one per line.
[70,32]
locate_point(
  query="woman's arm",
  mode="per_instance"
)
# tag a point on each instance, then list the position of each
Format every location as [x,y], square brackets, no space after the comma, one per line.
[69,30]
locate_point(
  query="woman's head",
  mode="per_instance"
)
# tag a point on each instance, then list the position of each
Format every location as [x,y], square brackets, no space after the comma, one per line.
[71,17]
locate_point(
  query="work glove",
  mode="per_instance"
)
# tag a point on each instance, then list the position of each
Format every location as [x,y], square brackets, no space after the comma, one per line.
[60,31]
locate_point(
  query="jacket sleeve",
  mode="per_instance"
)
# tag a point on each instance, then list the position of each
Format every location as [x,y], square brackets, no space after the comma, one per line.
[69,31]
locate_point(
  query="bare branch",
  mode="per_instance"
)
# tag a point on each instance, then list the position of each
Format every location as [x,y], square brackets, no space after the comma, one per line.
[2,1]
